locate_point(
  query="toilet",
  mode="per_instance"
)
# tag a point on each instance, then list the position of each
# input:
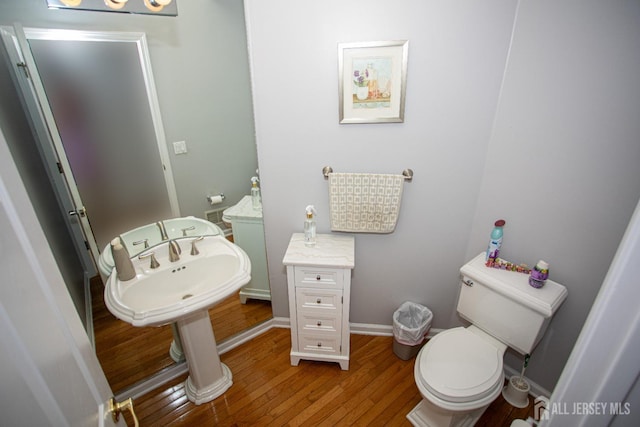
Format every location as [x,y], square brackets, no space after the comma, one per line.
[459,372]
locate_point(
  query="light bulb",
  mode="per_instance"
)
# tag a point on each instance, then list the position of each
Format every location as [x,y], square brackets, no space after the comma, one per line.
[115,4]
[156,5]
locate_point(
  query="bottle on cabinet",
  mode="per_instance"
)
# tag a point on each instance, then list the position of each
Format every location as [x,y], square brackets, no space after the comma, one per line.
[256,199]
[310,227]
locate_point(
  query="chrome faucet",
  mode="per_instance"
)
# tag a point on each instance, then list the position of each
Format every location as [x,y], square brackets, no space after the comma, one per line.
[152,255]
[194,249]
[163,231]
[174,251]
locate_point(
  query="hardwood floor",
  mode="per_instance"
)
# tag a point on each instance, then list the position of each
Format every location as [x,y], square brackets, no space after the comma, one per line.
[377,390]
[128,354]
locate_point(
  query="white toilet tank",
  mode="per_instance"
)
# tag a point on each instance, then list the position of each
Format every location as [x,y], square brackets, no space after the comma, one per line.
[503,304]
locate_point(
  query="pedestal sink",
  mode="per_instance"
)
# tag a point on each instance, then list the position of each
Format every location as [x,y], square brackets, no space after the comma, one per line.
[182,292]
[140,239]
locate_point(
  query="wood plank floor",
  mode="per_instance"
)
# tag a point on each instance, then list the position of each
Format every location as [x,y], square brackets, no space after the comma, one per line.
[377,390]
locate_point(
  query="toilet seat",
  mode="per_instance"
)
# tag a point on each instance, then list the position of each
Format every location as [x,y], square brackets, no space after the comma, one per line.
[458,366]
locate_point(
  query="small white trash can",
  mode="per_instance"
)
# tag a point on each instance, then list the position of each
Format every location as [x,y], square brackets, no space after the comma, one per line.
[411,323]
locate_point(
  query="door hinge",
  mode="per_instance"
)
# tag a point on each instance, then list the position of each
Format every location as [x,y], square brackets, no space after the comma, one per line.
[59,167]
[24,68]
[86,245]
[342,300]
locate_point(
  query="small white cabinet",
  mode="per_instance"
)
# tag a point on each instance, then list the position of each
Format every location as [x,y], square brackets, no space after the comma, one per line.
[319,284]
[248,233]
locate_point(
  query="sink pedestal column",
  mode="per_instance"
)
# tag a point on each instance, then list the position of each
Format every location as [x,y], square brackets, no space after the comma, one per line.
[208,377]
[175,351]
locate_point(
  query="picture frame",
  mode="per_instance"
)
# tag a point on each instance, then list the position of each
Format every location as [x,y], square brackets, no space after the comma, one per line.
[372,80]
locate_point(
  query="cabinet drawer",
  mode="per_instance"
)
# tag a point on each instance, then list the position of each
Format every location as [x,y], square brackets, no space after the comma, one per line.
[319,343]
[325,277]
[327,300]
[311,322]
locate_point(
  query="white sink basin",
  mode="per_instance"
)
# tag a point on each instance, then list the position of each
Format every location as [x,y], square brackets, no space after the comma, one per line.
[175,290]
[193,226]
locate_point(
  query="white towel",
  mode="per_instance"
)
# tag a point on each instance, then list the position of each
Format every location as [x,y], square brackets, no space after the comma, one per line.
[364,202]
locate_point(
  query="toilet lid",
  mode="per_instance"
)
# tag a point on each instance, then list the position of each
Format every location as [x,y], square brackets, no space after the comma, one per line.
[458,365]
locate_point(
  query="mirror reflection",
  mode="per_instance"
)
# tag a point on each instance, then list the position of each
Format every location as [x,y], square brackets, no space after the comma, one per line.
[129,355]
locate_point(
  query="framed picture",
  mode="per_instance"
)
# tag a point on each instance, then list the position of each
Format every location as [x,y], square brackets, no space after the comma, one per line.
[372,79]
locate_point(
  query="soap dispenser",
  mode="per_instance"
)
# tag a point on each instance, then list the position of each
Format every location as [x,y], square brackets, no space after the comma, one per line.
[310,227]
[121,261]
[256,200]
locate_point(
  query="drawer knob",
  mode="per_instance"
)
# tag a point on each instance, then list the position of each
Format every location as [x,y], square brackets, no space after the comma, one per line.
[319,323]
[319,301]
[319,344]
[318,277]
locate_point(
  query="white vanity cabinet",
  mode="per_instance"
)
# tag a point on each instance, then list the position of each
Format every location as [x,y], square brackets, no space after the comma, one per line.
[319,284]
[248,233]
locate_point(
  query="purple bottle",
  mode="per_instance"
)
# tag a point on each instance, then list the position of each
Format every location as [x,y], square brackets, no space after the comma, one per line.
[539,274]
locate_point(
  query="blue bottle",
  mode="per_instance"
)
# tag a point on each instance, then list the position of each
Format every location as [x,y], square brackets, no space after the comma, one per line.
[493,250]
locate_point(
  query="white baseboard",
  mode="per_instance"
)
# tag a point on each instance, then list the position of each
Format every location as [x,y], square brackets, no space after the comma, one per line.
[245,336]
[381,330]
[371,329]
[153,382]
[88,307]
[356,328]
[281,322]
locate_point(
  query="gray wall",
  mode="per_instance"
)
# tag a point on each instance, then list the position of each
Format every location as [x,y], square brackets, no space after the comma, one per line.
[566,139]
[199,61]
[524,110]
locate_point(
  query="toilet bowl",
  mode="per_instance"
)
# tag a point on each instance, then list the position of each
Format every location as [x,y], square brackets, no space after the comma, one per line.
[459,372]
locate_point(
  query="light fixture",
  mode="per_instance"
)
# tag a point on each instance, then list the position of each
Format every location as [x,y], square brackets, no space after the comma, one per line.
[151,7]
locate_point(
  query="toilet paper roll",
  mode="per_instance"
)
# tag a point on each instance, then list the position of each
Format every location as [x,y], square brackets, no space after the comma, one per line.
[214,200]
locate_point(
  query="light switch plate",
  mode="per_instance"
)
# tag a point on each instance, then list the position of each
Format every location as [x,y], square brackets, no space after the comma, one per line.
[180,147]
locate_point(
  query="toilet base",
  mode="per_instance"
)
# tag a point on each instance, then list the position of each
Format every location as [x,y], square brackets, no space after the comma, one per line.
[426,414]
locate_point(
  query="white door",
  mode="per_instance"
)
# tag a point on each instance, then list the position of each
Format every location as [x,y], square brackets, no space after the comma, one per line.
[92,101]
[50,374]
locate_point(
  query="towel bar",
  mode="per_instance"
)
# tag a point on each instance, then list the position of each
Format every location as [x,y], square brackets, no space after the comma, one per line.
[407,173]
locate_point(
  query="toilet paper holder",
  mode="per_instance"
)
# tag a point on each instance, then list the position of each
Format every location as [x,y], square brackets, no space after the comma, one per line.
[214,200]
